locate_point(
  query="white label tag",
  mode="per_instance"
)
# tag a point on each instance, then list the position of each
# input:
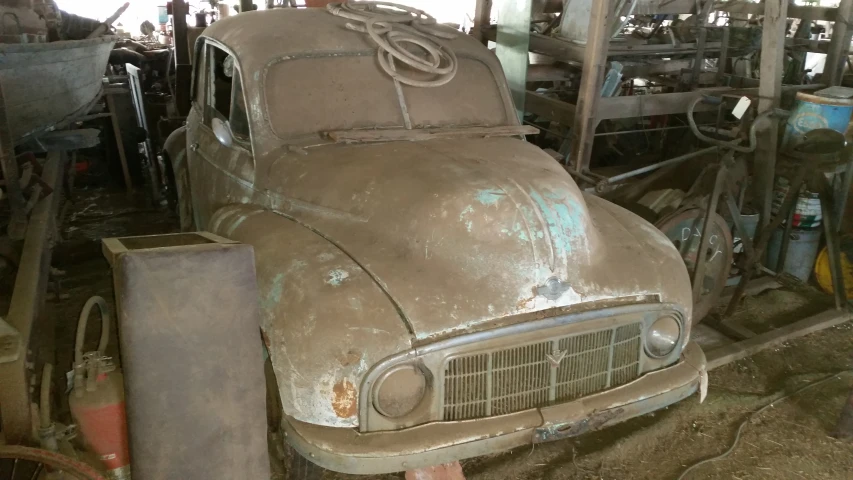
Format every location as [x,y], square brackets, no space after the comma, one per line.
[741,107]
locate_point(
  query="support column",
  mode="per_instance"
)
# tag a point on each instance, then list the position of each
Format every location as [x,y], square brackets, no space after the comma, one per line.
[513,41]
[770,95]
[594,62]
[839,46]
[482,20]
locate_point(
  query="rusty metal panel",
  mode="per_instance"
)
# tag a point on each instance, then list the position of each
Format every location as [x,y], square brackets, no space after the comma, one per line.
[192,358]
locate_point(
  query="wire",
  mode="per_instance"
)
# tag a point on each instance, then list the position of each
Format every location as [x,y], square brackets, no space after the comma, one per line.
[755,414]
[390,26]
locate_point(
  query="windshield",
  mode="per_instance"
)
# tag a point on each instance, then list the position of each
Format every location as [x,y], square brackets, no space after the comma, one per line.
[317,94]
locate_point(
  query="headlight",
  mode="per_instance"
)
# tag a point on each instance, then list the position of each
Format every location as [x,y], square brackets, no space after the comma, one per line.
[399,391]
[662,337]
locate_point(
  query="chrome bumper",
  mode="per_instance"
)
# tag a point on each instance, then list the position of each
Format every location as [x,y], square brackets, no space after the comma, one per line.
[348,451]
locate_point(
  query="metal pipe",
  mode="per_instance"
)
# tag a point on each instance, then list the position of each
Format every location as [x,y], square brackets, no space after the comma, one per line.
[665,163]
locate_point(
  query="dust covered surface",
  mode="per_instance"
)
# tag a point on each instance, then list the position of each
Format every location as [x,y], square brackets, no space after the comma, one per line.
[788,441]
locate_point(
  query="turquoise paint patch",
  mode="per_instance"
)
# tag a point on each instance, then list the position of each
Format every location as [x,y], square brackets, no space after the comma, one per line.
[490,196]
[337,276]
[564,220]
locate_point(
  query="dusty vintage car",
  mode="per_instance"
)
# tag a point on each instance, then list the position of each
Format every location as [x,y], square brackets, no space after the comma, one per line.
[427,294]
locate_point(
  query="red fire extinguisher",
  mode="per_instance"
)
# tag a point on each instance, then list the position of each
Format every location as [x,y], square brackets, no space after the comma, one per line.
[97,398]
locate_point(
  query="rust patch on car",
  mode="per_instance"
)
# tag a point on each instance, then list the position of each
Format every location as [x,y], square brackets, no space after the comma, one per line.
[344,399]
[265,338]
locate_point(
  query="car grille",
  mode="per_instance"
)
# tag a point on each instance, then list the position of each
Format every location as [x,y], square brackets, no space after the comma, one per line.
[523,377]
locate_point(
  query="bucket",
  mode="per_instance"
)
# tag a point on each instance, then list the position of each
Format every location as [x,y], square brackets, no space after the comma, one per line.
[801,255]
[824,109]
[807,211]
[823,274]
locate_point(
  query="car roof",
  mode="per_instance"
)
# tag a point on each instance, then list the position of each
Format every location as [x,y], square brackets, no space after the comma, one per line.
[260,37]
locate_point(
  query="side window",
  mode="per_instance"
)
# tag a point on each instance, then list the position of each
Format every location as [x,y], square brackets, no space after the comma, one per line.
[226,93]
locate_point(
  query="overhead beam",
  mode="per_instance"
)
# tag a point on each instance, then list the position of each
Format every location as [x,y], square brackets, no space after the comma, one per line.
[550,108]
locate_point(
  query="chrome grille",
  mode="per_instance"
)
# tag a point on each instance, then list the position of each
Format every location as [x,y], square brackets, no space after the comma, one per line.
[518,378]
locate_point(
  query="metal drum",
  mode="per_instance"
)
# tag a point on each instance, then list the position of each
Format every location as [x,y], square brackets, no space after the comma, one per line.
[829,108]
[801,255]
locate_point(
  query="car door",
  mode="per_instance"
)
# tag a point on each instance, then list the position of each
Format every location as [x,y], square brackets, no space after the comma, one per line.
[220,150]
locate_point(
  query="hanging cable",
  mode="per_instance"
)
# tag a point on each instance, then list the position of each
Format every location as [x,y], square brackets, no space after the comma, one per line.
[391,27]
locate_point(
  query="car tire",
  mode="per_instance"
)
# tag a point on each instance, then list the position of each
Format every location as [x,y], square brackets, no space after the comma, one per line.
[300,468]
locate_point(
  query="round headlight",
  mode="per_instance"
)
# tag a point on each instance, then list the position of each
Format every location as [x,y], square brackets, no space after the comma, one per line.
[399,391]
[662,337]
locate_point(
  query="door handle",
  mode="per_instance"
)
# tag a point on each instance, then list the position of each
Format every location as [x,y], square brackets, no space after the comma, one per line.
[194,147]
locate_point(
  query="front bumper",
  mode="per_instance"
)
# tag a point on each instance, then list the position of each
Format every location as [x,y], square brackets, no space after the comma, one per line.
[348,451]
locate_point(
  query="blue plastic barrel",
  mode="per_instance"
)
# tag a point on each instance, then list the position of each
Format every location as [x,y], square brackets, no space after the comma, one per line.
[812,112]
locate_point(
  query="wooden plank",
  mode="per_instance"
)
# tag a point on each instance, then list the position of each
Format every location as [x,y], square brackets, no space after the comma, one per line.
[594,62]
[839,46]
[391,135]
[794,11]
[567,51]
[770,96]
[737,351]
[753,288]
[550,108]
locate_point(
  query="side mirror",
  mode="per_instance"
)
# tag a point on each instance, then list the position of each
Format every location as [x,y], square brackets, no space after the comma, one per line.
[222,131]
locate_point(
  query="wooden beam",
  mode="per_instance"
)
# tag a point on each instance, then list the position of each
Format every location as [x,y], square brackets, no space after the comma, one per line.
[839,46]
[594,61]
[651,105]
[740,350]
[770,96]
[550,108]
[794,11]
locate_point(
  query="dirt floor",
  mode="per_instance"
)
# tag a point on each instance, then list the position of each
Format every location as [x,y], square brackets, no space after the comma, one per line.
[789,441]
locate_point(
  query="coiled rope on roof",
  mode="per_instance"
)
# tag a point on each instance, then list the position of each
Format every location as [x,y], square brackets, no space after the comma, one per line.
[393,27]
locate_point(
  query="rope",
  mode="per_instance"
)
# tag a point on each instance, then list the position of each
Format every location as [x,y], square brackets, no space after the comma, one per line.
[392,27]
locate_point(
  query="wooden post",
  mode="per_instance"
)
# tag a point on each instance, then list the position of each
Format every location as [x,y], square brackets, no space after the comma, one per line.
[111,105]
[594,62]
[839,46]
[482,20]
[770,94]
[183,67]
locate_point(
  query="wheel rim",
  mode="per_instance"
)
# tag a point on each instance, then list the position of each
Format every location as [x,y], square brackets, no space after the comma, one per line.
[684,229]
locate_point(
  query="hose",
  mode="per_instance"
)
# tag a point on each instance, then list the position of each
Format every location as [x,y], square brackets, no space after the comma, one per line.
[81,335]
[753,140]
[391,26]
[54,460]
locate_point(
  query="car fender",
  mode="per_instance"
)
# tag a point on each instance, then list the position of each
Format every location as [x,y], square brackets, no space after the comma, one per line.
[176,156]
[324,320]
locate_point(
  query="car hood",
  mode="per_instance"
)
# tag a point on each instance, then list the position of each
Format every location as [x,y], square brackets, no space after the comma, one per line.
[466,234]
